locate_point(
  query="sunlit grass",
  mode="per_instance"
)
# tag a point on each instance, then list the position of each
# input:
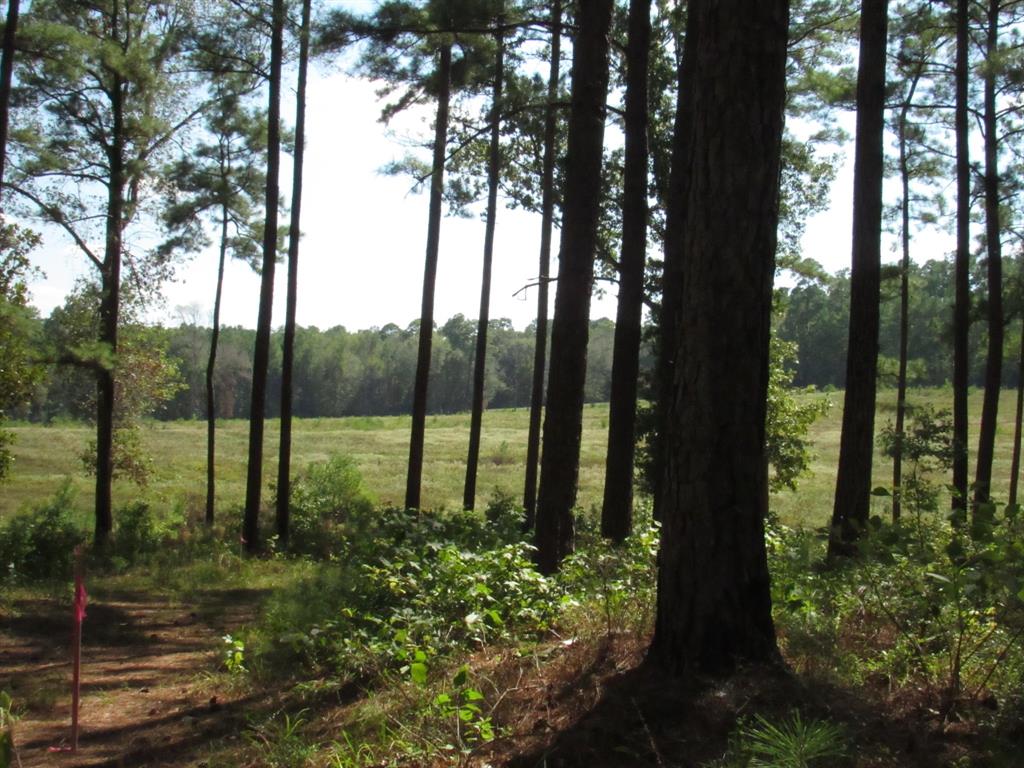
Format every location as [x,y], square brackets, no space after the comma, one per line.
[44,455]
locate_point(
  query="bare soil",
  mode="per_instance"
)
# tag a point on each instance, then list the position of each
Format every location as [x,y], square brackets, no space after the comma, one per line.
[149,696]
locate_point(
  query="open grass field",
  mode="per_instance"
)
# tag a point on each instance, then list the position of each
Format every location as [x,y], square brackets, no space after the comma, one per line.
[45,455]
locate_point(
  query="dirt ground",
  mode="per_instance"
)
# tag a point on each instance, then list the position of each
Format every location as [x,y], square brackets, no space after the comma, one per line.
[148,691]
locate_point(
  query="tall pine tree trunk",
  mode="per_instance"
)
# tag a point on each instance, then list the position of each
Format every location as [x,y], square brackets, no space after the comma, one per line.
[853,480]
[671,278]
[994,361]
[547,225]
[962,301]
[714,605]
[901,382]
[110,307]
[211,368]
[419,393]
[563,416]
[294,236]
[261,355]
[479,366]
[617,509]
[6,75]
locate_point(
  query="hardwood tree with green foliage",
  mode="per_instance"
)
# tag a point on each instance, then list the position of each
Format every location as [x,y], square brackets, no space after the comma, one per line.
[714,604]
[563,415]
[853,479]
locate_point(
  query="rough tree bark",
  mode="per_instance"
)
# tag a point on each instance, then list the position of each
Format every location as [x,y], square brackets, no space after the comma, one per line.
[856,448]
[547,225]
[419,394]
[570,327]
[284,465]
[617,509]
[714,606]
[261,355]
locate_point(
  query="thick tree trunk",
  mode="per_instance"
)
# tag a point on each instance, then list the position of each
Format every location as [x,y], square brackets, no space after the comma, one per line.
[994,361]
[294,236]
[419,393]
[962,305]
[671,278]
[1017,422]
[211,368]
[480,364]
[563,417]
[856,448]
[547,225]
[617,509]
[261,355]
[714,606]
[6,75]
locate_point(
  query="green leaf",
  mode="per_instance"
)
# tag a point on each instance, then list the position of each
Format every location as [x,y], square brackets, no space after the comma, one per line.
[418,672]
[461,676]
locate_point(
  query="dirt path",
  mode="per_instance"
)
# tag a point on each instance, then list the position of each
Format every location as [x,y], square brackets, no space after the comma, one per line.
[145,699]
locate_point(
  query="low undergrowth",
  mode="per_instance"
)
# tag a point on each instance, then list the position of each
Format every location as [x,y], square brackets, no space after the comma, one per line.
[411,639]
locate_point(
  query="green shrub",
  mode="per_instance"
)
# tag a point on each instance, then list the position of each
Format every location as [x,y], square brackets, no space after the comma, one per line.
[327,501]
[40,543]
[137,536]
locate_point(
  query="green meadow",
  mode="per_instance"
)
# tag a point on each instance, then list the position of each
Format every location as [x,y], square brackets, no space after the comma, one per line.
[46,455]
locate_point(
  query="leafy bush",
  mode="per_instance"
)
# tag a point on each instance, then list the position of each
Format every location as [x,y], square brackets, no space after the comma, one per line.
[40,543]
[925,603]
[327,501]
[137,535]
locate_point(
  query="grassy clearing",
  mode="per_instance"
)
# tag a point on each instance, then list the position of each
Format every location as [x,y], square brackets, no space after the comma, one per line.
[45,455]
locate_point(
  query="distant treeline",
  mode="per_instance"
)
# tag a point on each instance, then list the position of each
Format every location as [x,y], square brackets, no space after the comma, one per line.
[816,315]
[370,372]
[337,372]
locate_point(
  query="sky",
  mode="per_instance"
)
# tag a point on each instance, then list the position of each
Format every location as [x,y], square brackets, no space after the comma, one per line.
[362,251]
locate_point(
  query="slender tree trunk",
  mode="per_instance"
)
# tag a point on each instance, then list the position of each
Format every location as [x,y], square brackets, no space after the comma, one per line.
[294,236]
[994,362]
[617,510]
[563,417]
[714,604]
[547,225]
[962,305]
[1018,419]
[901,383]
[261,355]
[419,393]
[6,74]
[110,306]
[211,367]
[493,169]
[853,481]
